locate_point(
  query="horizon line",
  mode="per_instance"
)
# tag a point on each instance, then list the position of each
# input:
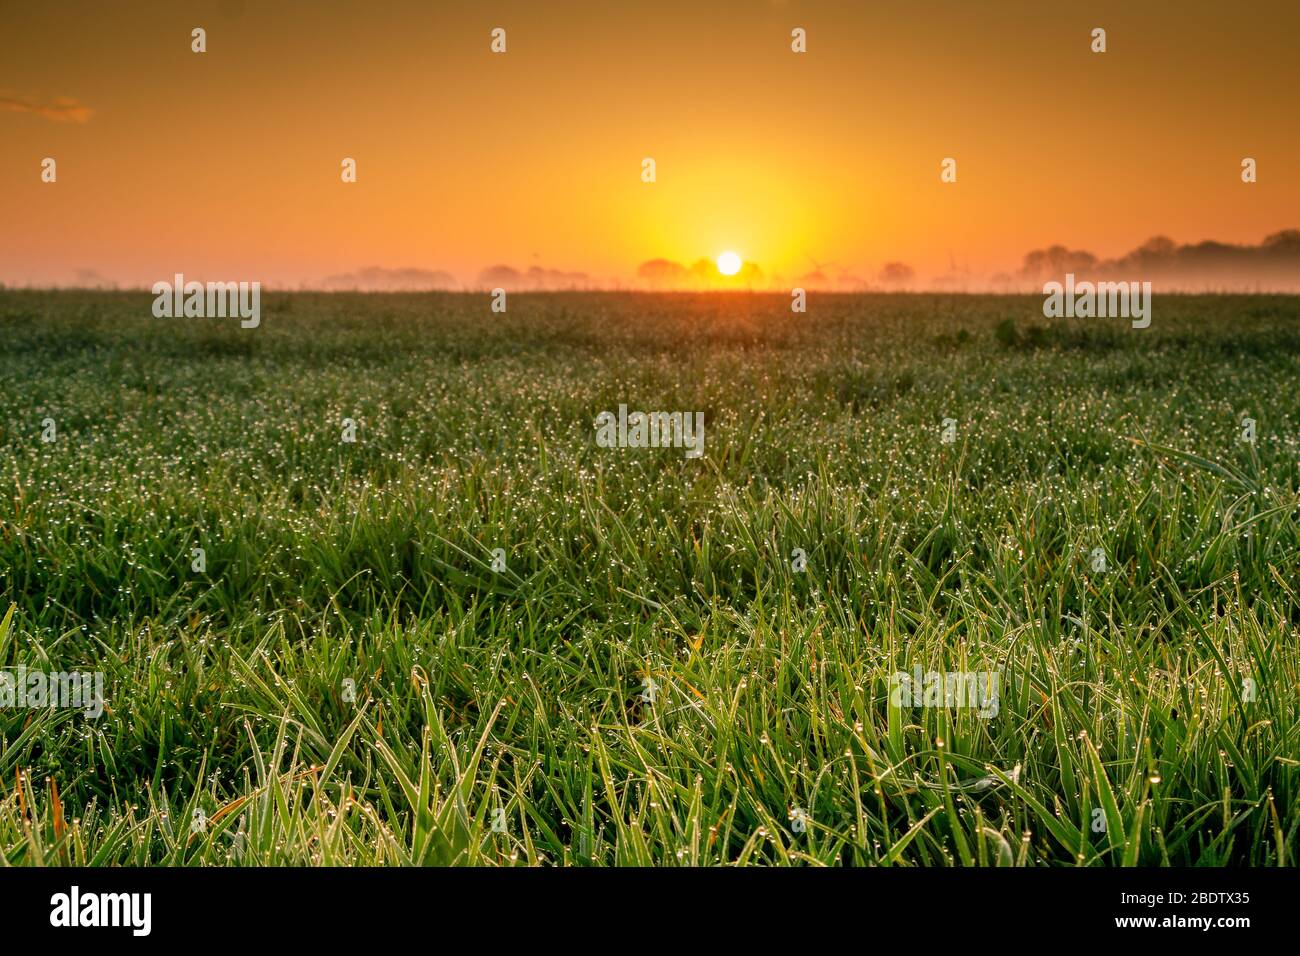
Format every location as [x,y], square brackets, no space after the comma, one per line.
[625,290]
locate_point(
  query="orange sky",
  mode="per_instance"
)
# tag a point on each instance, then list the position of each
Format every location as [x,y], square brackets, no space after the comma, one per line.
[226,164]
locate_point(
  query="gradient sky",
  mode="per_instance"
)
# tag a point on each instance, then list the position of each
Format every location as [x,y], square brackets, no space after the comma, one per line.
[226,164]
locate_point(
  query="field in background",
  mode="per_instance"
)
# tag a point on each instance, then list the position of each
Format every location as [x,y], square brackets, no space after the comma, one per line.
[1125,731]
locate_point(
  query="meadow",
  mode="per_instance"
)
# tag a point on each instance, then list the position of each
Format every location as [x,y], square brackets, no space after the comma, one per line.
[651,678]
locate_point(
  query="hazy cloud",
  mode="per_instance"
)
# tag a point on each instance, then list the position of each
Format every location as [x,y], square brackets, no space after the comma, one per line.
[62,110]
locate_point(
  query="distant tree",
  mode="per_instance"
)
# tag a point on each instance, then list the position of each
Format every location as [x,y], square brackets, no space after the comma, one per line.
[662,272]
[896,273]
[1286,240]
[503,277]
[1056,261]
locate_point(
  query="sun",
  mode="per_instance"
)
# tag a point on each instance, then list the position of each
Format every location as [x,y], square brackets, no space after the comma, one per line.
[729,263]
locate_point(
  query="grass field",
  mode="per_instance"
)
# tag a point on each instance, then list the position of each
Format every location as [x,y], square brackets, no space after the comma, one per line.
[650,680]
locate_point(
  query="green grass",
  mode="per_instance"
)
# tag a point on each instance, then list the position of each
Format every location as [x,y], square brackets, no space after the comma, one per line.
[1122,692]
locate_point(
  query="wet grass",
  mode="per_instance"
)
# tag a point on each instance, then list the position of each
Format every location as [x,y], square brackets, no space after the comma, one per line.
[1149,713]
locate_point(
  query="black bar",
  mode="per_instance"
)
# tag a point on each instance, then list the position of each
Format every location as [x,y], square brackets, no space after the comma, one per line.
[336,907]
